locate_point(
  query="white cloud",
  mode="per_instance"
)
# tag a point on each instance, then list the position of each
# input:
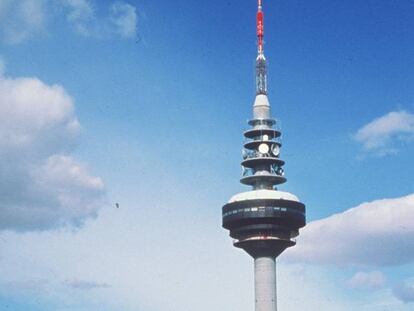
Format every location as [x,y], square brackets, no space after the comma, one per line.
[83,16]
[378,233]
[404,292]
[25,19]
[124,17]
[380,135]
[304,288]
[192,256]
[80,10]
[41,186]
[35,116]
[21,20]
[84,285]
[112,264]
[368,280]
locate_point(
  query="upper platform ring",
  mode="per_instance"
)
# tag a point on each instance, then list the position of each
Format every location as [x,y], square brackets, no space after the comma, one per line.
[253,133]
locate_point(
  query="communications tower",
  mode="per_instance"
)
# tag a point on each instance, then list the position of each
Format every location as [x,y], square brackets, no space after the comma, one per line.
[263,221]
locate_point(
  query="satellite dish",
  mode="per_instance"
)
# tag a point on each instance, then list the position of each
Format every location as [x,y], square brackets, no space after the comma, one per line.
[280,171]
[263,148]
[244,154]
[265,137]
[276,150]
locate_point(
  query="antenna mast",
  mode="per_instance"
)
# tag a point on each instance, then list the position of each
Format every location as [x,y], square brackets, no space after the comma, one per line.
[260,27]
[261,72]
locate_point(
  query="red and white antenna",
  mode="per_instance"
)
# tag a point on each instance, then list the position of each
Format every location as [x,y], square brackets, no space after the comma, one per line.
[261,71]
[260,26]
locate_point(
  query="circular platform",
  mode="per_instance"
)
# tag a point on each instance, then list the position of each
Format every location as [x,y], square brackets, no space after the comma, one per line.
[263,122]
[268,178]
[260,161]
[252,133]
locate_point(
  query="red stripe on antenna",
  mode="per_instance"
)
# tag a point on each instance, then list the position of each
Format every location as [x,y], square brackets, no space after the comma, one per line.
[260,26]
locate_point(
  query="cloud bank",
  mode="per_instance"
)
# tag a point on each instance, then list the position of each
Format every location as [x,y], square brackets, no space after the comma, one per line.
[378,233]
[81,15]
[368,280]
[84,285]
[120,21]
[41,185]
[21,20]
[404,292]
[124,18]
[25,19]
[381,135]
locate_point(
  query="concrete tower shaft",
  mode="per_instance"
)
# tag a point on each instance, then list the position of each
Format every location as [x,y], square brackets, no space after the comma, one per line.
[265,283]
[263,221]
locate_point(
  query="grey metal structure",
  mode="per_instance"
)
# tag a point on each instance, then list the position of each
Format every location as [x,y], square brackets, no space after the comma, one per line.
[263,221]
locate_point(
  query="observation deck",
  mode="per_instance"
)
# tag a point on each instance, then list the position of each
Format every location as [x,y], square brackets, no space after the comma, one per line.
[264,215]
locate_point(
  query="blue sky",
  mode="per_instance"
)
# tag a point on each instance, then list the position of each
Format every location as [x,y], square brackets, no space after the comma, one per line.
[144,103]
